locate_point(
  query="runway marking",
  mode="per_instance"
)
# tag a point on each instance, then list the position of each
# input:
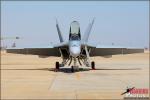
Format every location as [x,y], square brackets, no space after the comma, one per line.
[77,76]
[76,96]
[51,84]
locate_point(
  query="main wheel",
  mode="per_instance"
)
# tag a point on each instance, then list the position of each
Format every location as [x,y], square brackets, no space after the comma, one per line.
[93,65]
[57,66]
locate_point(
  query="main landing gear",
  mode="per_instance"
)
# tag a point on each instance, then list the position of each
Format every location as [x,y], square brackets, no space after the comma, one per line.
[93,65]
[57,65]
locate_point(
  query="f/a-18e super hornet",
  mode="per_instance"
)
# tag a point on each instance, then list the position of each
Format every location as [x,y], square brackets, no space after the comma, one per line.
[76,49]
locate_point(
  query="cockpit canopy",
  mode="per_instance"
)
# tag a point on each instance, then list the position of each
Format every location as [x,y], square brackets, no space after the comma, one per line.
[74,27]
[74,31]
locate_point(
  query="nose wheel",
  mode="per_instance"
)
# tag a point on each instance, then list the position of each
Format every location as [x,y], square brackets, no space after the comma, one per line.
[57,66]
[74,68]
[93,65]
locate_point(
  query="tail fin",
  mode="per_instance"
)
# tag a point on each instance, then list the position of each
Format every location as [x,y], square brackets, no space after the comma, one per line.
[87,32]
[59,32]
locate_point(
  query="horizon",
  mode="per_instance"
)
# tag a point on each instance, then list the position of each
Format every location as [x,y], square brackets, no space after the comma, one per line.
[124,23]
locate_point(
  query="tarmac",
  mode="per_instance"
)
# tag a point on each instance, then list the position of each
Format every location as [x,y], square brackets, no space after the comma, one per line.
[31,77]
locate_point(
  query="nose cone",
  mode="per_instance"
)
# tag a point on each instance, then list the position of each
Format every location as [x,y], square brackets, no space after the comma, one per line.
[74,51]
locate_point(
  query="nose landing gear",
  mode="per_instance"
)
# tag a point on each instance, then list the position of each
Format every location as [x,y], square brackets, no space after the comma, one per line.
[74,68]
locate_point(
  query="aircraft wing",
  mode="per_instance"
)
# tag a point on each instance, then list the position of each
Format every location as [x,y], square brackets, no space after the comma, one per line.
[35,51]
[103,50]
[113,50]
[39,50]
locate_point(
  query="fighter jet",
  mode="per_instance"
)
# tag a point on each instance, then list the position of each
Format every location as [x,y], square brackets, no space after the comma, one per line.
[77,50]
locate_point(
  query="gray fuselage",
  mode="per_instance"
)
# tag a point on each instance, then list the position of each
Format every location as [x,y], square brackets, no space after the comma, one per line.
[74,39]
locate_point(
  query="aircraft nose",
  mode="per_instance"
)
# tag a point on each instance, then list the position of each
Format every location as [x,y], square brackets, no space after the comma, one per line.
[74,51]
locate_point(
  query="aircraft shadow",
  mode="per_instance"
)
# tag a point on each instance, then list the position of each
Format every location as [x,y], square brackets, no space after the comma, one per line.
[65,70]
[118,69]
[68,70]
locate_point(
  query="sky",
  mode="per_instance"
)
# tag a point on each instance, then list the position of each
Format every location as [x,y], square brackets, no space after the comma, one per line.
[124,23]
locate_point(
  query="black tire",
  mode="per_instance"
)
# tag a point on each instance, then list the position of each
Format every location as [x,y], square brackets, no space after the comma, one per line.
[72,69]
[93,65]
[57,66]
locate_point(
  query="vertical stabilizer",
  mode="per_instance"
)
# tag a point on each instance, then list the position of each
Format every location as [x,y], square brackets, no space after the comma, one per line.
[87,32]
[59,32]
